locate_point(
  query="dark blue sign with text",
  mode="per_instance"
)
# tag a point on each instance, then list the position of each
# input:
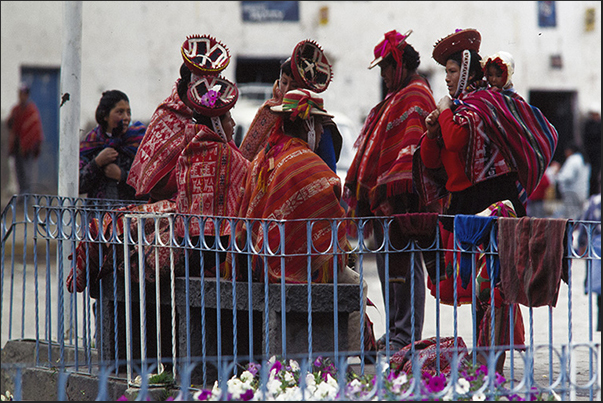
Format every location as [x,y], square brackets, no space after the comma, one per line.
[270,11]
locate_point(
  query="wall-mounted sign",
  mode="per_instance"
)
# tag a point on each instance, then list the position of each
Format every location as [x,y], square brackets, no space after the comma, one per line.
[270,11]
[546,14]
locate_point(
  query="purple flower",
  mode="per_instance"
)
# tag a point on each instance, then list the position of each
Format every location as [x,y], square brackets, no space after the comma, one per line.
[204,395]
[276,366]
[122,398]
[253,368]
[318,361]
[435,383]
[209,98]
[499,379]
[248,395]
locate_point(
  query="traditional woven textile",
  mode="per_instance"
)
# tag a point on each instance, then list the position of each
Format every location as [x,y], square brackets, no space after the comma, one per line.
[432,358]
[161,145]
[532,257]
[26,130]
[211,176]
[97,140]
[289,182]
[518,134]
[382,166]
[260,128]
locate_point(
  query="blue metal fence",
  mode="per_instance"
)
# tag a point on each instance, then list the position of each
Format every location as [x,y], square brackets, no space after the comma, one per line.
[200,331]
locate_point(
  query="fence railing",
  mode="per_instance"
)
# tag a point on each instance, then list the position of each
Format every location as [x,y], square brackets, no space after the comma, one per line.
[149,303]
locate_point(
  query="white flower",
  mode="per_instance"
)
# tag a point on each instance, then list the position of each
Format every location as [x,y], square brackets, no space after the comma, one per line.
[556,396]
[397,383]
[355,386]
[246,377]
[236,387]
[448,396]
[216,392]
[327,389]
[462,386]
[291,394]
[289,377]
[479,397]
[274,386]
[331,381]
[310,384]
[294,365]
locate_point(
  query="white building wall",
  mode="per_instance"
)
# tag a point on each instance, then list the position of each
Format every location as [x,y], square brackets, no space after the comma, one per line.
[135,46]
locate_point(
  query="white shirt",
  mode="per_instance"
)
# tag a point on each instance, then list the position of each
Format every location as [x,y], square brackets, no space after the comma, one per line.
[574,176]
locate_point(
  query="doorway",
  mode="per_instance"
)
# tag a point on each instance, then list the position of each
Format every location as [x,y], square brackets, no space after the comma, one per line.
[559,108]
[45,93]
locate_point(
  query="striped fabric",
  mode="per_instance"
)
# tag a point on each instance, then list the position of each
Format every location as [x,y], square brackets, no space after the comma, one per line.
[287,181]
[521,132]
[161,145]
[260,128]
[97,140]
[382,166]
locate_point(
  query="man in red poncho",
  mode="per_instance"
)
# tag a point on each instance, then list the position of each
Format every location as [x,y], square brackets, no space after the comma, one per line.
[25,137]
[379,181]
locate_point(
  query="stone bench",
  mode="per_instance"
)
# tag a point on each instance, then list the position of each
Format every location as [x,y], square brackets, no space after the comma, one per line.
[189,337]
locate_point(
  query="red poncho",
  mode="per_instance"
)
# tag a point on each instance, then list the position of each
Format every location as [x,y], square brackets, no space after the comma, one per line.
[26,133]
[160,148]
[210,176]
[287,181]
[382,167]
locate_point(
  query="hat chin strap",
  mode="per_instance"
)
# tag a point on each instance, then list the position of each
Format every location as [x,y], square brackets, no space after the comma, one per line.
[309,123]
[217,125]
[464,76]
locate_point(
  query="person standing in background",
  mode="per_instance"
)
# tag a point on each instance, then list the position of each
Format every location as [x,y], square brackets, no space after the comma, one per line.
[25,137]
[107,152]
[573,181]
[591,139]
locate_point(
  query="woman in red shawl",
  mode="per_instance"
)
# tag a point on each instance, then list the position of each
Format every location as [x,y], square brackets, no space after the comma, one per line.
[210,172]
[482,147]
[289,181]
[107,152]
[153,171]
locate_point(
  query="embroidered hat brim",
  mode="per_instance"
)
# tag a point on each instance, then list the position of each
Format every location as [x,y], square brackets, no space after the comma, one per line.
[204,55]
[310,66]
[458,41]
[212,95]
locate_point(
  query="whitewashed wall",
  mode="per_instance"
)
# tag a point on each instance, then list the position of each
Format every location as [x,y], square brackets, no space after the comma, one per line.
[134,46]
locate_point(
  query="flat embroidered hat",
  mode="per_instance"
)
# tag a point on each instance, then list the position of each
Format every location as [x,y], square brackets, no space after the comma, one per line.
[212,95]
[204,55]
[461,39]
[310,66]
